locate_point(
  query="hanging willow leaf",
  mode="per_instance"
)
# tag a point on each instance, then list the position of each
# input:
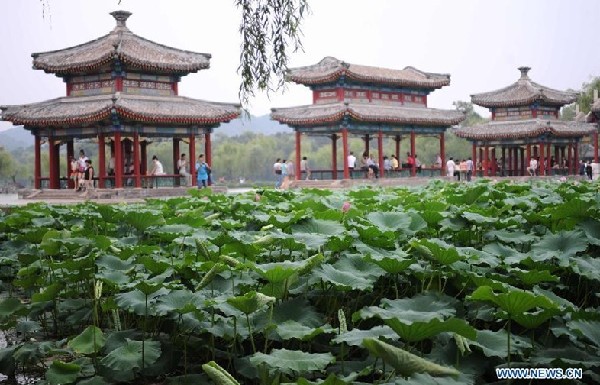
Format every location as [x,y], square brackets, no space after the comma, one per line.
[406,363]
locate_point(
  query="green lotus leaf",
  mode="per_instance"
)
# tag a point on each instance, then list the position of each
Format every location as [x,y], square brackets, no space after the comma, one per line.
[533,277]
[91,340]
[421,308]
[142,220]
[533,319]
[60,373]
[390,221]
[311,241]
[574,209]
[406,363]
[494,344]
[438,250]
[293,329]
[355,337]
[428,379]
[179,302]
[297,309]
[508,254]
[418,331]
[279,271]
[110,262]
[49,294]
[319,226]
[250,302]
[129,356]
[10,306]
[565,356]
[511,236]
[293,361]
[591,228]
[478,218]
[514,301]
[589,329]
[562,246]
[135,301]
[587,266]
[352,272]
[560,301]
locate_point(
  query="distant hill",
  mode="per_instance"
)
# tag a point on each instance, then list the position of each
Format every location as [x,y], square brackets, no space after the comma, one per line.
[256,124]
[17,137]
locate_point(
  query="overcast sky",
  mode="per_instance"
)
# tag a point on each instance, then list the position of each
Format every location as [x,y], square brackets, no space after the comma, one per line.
[479,42]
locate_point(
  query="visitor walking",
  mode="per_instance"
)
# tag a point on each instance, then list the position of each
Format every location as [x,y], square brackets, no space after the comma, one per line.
[305,168]
[450,167]
[351,163]
[182,167]
[203,171]
[469,169]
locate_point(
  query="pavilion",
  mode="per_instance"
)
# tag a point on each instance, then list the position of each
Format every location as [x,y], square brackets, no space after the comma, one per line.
[525,123]
[366,101]
[121,91]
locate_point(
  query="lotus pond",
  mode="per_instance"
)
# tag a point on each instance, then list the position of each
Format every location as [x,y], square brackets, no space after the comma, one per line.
[437,285]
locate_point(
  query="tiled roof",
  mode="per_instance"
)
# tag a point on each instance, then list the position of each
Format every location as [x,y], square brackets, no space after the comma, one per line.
[367,112]
[131,49]
[330,69]
[523,92]
[72,111]
[520,129]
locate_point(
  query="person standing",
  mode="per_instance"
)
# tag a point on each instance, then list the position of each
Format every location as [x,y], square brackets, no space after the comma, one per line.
[74,172]
[588,169]
[351,163]
[82,166]
[89,175]
[203,170]
[157,169]
[395,163]
[450,167]
[533,165]
[469,169]
[277,171]
[182,168]
[305,168]
[285,179]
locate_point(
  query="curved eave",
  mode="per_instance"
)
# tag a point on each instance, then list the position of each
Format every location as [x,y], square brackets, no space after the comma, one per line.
[329,114]
[527,92]
[521,102]
[112,47]
[492,131]
[67,111]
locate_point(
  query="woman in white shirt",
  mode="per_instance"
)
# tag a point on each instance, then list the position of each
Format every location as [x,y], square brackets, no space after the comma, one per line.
[450,167]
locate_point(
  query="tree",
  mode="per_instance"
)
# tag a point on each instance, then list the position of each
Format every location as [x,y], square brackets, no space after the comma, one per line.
[584,100]
[472,117]
[269,29]
[7,164]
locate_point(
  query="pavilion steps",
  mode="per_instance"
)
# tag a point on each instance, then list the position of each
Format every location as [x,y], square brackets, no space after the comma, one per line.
[109,194]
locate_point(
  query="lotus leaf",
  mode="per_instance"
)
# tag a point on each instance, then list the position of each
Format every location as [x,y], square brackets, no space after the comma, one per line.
[60,373]
[129,356]
[293,361]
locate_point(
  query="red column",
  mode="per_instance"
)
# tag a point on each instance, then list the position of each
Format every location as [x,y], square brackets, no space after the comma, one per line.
[51,170]
[528,154]
[443,152]
[542,163]
[494,164]
[345,151]
[474,158]
[487,161]
[334,156]
[175,88]
[175,155]
[101,160]
[298,154]
[380,150]
[504,162]
[572,167]
[208,153]
[136,160]
[548,156]
[118,161]
[367,139]
[510,162]
[595,139]
[576,155]
[208,149]
[37,170]
[413,170]
[192,151]
[522,151]
[516,161]
[70,154]
[397,139]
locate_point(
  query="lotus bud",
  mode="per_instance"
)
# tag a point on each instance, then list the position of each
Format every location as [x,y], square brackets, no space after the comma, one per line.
[98,289]
[263,300]
[256,197]
[346,207]
[342,319]
[563,179]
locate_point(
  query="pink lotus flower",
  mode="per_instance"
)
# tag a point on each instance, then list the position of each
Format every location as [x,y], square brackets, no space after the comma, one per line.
[256,197]
[346,207]
[563,179]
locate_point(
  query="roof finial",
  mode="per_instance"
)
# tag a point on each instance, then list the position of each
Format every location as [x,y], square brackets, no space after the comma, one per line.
[524,71]
[121,17]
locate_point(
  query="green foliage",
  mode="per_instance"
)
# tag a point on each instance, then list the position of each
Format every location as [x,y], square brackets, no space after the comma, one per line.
[287,290]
